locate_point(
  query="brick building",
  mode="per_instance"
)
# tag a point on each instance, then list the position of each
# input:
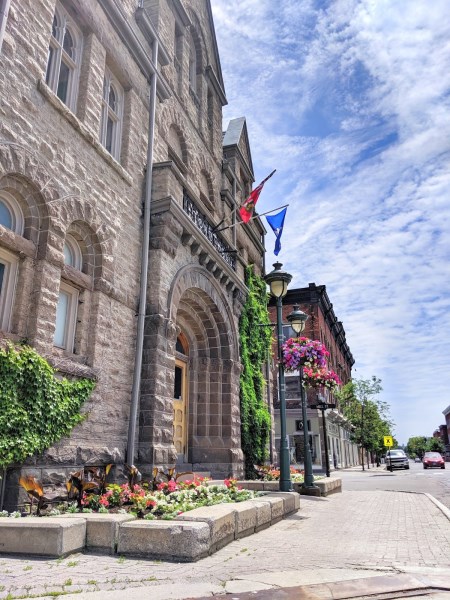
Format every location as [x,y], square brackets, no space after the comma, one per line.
[115,176]
[322,325]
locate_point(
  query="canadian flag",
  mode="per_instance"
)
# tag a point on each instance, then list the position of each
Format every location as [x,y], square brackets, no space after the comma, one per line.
[246,210]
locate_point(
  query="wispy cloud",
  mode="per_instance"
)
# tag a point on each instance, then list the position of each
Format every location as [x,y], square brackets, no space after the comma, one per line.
[350,101]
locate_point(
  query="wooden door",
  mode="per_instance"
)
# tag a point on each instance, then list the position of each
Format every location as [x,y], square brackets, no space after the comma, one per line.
[180,409]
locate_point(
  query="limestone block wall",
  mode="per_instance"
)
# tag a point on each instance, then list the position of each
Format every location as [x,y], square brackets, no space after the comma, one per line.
[66,182]
[67,185]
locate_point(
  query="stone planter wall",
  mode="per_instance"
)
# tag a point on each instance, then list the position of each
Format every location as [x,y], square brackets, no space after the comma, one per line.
[189,537]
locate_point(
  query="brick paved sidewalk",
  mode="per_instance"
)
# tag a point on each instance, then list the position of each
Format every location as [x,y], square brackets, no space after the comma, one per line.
[348,535]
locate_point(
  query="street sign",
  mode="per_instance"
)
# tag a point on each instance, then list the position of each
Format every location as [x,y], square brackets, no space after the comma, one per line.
[388,441]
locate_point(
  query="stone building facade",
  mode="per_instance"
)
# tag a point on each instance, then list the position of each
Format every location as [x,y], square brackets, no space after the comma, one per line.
[322,325]
[444,431]
[116,185]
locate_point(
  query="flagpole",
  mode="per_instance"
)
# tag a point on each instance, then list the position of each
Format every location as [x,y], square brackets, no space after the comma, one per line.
[251,219]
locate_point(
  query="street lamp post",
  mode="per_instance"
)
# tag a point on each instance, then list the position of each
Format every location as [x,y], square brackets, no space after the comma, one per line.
[323,405]
[297,319]
[278,282]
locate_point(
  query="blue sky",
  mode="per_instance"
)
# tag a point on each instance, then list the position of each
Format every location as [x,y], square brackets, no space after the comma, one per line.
[350,101]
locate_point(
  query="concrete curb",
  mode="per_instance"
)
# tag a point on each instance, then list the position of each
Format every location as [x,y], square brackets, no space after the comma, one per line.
[444,510]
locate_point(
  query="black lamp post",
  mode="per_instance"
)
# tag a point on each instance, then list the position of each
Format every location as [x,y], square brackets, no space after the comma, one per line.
[297,319]
[278,282]
[323,405]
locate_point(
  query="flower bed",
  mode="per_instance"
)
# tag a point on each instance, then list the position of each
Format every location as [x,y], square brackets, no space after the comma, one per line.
[271,473]
[170,499]
[149,500]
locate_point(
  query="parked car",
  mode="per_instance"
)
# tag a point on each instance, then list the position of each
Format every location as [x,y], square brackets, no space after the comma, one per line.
[417,459]
[397,458]
[433,459]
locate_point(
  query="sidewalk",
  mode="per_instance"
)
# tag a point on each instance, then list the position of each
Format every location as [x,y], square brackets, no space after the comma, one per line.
[348,536]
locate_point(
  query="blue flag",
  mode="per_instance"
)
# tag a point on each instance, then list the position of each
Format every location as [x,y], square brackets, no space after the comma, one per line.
[277,223]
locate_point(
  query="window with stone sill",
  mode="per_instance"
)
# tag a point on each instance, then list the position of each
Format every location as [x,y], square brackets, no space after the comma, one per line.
[8,274]
[64,57]
[67,307]
[66,317]
[178,56]
[192,66]
[11,217]
[112,114]
[210,117]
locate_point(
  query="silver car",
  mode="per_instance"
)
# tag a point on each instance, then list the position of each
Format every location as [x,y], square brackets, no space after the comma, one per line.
[397,458]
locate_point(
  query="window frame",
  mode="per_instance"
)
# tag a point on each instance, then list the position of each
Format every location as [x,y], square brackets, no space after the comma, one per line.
[75,251]
[16,212]
[193,66]
[116,116]
[4,8]
[8,287]
[70,320]
[57,55]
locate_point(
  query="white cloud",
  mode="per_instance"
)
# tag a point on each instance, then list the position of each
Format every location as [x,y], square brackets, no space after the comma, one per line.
[349,101]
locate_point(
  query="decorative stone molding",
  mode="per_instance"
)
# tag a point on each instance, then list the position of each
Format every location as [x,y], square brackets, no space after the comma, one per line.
[200,245]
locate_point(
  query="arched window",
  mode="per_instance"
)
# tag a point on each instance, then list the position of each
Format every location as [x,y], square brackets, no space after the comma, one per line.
[67,307]
[11,215]
[64,55]
[182,345]
[112,110]
[6,216]
[72,253]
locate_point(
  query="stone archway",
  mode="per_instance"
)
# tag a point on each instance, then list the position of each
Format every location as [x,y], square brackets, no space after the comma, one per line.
[198,308]
[200,311]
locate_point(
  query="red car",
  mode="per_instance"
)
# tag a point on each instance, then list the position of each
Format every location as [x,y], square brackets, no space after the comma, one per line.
[433,459]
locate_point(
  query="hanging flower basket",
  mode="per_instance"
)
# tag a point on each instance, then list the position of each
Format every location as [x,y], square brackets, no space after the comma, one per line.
[303,351]
[321,378]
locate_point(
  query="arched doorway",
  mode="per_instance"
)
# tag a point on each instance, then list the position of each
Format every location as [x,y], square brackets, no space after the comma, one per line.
[207,368]
[189,411]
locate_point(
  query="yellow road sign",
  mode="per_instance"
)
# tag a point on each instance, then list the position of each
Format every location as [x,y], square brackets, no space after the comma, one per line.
[388,441]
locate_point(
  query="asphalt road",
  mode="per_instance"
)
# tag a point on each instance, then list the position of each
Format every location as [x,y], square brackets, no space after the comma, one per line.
[417,479]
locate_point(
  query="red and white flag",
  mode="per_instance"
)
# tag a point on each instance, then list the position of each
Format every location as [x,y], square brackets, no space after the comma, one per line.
[246,210]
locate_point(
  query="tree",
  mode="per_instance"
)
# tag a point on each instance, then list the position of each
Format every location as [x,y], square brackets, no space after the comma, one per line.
[416,446]
[368,415]
[435,445]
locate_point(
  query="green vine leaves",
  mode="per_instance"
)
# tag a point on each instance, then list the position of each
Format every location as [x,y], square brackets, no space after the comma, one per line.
[36,408]
[255,346]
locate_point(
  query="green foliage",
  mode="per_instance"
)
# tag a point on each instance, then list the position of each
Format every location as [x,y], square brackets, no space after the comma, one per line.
[416,446]
[255,344]
[435,445]
[36,409]
[368,415]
